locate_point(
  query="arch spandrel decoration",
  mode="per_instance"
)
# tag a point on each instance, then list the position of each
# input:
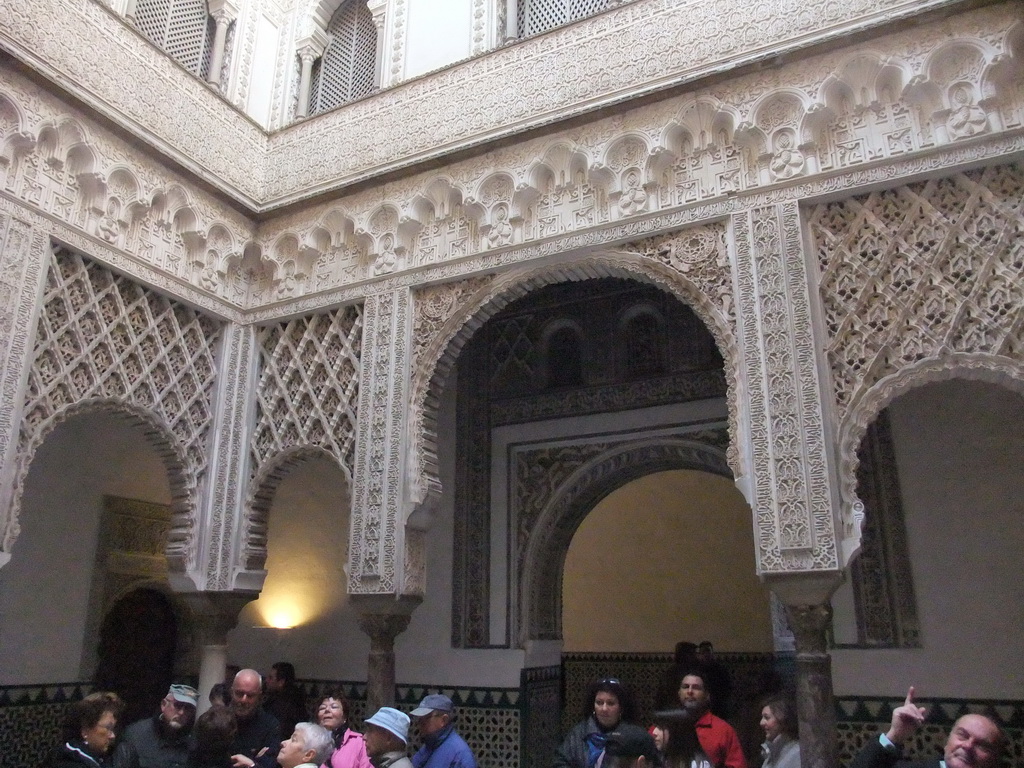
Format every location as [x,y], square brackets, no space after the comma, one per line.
[549,514]
[918,283]
[692,265]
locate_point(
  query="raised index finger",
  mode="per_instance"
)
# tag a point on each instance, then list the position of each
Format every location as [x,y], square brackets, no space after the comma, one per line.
[910,697]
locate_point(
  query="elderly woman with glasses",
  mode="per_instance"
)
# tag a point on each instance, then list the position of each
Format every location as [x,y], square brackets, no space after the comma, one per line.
[88,733]
[349,746]
[607,704]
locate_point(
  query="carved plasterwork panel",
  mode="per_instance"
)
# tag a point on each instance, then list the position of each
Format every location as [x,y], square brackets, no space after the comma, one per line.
[57,162]
[916,279]
[792,495]
[491,96]
[140,85]
[378,558]
[103,341]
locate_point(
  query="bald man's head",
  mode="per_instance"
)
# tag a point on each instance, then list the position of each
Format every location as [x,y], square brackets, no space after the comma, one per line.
[246,693]
[975,742]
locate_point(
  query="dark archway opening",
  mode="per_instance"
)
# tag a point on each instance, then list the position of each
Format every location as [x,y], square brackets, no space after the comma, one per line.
[138,639]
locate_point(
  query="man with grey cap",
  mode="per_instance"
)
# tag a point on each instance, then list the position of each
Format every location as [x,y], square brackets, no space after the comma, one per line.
[442,746]
[162,741]
[387,736]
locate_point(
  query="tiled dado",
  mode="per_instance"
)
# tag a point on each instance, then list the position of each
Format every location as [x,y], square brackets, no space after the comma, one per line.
[30,720]
[863,718]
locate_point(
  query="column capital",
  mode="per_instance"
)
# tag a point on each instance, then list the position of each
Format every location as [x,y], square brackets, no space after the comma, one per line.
[384,618]
[215,613]
[223,10]
[314,44]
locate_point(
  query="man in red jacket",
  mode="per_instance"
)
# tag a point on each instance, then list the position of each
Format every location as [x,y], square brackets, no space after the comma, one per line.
[717,738]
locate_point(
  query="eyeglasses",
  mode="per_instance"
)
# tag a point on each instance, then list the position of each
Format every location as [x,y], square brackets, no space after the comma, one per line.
[175,703]
[108,726]
[609,681]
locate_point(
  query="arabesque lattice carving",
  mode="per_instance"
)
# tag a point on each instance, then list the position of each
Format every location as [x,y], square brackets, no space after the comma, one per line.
[917,283]
[920,271]
[308,389]
[103,338]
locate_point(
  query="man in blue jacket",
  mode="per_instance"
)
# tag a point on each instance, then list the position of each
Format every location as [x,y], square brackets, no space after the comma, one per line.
[442,746]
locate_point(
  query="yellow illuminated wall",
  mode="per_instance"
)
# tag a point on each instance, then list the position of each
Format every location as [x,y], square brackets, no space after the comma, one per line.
[306,586]
[668,557]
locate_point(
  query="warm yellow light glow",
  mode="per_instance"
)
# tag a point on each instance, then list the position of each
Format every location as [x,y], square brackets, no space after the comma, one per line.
[281,613]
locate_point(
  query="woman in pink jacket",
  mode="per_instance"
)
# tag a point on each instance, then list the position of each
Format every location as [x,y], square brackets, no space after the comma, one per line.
[349,747]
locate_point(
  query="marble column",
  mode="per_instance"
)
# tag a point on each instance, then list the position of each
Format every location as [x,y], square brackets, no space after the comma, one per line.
[213,615]
[309,49]
[223,12]
[816,708]
[383,619]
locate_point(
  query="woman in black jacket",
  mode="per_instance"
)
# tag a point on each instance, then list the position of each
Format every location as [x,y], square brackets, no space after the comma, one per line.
[608,703]
[88,733]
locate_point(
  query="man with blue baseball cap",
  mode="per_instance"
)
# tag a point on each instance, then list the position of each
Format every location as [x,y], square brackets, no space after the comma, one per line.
[442,746]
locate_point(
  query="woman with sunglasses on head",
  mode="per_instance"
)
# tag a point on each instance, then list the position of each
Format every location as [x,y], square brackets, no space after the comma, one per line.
[349,746]
[608,703]
[88,733]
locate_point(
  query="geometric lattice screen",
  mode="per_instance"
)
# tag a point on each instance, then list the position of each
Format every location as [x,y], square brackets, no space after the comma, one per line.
[921,270]
[182,28]
[103,336]
[308,392]
[536,16]
[347,69]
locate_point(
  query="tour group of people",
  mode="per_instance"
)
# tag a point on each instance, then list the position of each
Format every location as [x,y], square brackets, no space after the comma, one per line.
[248,719]
[258,722]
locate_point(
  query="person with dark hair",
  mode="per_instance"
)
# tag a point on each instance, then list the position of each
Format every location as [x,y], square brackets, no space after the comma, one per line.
[629,746]
[976,741]
[717,738]
[284,699]
[88,732]
[781,748]
[680,747]
[607,704]
[349,745]
[163,741]
[717,678]
[684,657]
[214,732]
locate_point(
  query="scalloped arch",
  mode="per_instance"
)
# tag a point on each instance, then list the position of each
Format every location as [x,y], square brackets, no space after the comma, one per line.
[868,403]
[262,488]
[540,592]
[182,482]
